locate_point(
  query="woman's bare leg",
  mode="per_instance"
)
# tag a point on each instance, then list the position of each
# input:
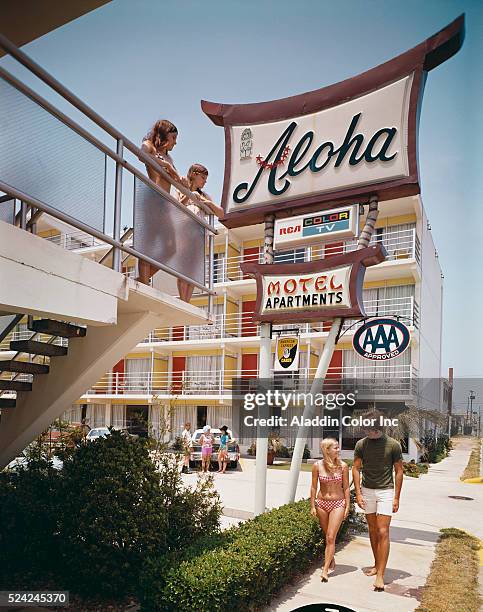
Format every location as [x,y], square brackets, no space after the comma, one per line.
[323,516]
[336,516]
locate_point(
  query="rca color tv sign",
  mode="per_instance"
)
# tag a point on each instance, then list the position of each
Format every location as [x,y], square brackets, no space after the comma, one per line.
[338,144]
[317,227]
[314,290]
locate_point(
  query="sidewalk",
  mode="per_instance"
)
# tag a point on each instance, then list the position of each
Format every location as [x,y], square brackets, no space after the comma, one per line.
[425,508]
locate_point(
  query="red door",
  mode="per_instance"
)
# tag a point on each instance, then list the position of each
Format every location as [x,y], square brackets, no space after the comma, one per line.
[118,377]
[179,366]
[334,248]
[249,365]
[333,378]
[249,328]
[251,254]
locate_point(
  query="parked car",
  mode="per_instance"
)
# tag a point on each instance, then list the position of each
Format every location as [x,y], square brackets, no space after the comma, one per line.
[97,432]
[233,449]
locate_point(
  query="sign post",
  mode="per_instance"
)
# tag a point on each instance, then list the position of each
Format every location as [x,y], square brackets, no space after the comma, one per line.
[264,372]
[324,362]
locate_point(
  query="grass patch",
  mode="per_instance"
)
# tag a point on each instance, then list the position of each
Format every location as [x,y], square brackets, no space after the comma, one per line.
[472,470]
[453,581]
[414,469]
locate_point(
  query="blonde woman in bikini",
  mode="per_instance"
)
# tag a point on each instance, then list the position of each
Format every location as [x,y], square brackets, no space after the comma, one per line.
[331,504]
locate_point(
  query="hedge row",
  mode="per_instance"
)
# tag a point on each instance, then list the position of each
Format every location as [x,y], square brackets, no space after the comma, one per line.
[238,569]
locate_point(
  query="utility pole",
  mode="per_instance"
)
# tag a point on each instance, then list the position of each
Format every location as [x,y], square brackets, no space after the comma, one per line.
[264,372]
[450,399]
[323,366]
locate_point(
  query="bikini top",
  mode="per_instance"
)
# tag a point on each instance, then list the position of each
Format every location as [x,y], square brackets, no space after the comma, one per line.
[335,478]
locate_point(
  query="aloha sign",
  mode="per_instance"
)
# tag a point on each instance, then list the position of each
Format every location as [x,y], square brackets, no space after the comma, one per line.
[335,145]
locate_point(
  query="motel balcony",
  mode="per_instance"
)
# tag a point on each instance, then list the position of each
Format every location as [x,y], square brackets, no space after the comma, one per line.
[402,246]
[240,329]
[387,381]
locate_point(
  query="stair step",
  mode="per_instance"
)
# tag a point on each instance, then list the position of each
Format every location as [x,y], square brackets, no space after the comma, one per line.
[38,348]
[15,385]
[23,367]
[7,403]
[57,328]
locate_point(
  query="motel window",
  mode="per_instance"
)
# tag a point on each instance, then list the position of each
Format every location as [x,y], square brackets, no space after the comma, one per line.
[289,256]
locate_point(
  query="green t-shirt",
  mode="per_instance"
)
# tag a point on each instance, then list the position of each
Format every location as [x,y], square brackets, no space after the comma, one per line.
[378,458]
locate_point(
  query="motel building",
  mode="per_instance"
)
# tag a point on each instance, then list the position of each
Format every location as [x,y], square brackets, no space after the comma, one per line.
[184,373]
[79,337]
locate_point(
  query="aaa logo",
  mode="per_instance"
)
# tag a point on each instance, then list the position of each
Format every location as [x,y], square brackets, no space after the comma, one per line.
[381,339]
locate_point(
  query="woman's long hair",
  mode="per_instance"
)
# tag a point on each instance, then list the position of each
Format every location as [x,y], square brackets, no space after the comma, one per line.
[329,464]
[158,134]
[195,169]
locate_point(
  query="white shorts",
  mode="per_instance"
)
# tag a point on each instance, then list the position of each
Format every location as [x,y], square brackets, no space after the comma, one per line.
[378,501]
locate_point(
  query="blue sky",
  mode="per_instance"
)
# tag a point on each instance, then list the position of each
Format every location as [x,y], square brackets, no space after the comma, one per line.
[135,62]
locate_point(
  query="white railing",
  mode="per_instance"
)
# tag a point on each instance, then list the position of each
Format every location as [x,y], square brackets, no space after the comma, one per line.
[241,324]
[399,244]
[384,378]
[26,334]
[76,240]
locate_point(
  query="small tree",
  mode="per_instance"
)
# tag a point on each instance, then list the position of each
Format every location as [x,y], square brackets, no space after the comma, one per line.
[111,515]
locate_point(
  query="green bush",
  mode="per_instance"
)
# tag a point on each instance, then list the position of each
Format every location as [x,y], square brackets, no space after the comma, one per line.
[28,523]
[111,515]
[436,448]
[238,569]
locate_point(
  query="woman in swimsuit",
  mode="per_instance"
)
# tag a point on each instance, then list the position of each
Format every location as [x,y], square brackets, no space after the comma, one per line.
[196,177]
[331,505]
[206,441]
[158,143]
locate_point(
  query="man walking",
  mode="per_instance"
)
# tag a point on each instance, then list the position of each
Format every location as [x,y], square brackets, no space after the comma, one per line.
[187,448]
[378,456]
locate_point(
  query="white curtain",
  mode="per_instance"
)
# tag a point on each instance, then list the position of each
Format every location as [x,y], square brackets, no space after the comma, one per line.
[158,424]
[198,332]
[179,415]
[96,415]
[138,374]
[202,372]
[216,416]
[73,414]
[118,416]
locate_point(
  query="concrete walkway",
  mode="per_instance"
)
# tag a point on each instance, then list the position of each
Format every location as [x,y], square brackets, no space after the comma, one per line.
[425,508]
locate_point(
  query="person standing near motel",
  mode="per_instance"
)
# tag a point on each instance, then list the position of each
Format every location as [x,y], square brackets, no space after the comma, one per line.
[223,450]
[206,441]
[331,505]
[159,141]
[378,456]
[196,177]
[187,443]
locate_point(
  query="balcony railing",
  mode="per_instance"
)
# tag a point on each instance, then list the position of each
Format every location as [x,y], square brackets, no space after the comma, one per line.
[241,325]
[400,245]
[379,379]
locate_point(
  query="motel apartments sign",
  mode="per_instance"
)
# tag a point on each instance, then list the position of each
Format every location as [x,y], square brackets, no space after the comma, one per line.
[310,160]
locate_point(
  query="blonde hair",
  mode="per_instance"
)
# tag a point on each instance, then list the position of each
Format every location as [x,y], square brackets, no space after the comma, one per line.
[195,169]
[329,464]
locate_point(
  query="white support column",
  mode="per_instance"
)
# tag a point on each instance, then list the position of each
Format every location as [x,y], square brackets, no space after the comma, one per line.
[264,371]
[324,362]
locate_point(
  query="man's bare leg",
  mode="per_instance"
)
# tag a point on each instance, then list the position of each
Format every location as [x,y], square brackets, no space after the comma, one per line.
[383,522]
[372,524]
